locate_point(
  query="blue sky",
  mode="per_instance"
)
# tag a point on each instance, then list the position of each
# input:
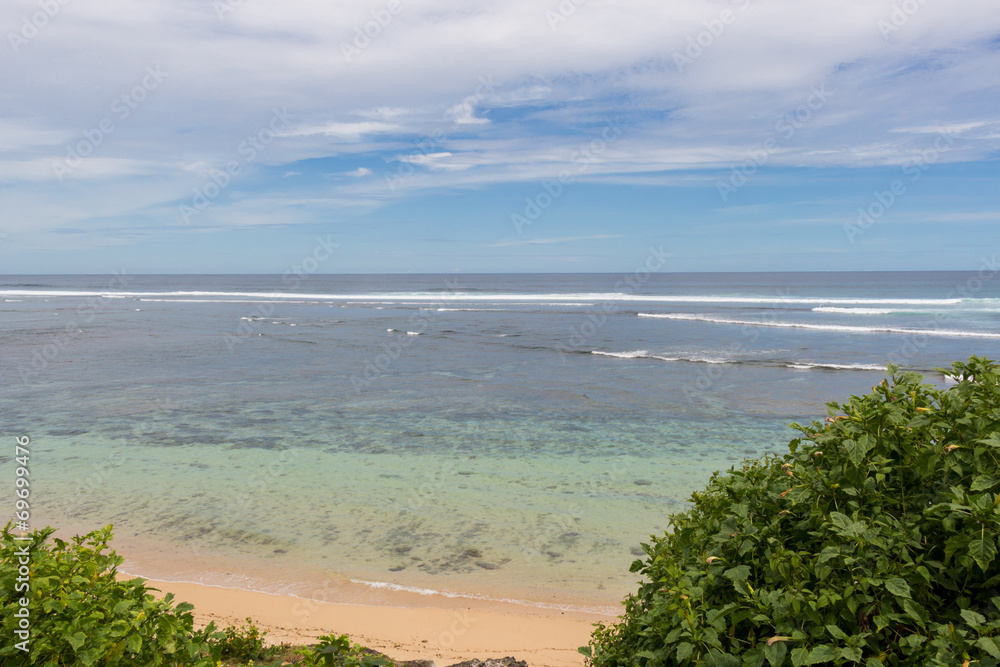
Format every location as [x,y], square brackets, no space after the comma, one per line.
[231,136]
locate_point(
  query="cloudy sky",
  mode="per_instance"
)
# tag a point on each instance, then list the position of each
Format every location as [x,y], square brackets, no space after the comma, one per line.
[234,136]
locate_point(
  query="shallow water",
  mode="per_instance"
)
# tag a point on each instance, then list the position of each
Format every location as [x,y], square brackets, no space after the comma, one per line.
[525,436]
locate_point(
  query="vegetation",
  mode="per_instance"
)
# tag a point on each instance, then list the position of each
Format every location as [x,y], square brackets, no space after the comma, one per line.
[337,651]
[79,613]
[873,542]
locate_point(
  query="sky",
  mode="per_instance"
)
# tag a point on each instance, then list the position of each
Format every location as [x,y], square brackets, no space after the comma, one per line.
[426,136]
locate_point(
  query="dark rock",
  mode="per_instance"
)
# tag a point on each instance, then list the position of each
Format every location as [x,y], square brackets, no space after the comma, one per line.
[416,663]
[493,662]
[471,553]
[397,568]
[642,482]
[488,566]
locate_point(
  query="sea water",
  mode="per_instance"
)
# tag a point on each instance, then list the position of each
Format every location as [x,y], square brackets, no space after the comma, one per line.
[518,435]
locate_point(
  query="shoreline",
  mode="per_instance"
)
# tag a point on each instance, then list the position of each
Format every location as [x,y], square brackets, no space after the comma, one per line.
[188,562]
[446,635]
[299,604]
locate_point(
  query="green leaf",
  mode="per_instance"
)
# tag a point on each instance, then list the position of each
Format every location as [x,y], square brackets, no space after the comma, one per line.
[738,573]
[775,653]
[898,587]
[972,618]
[822,653]
[76,640]
[799,656]
[983,482]
[989,644]
[684,651]
[133,643]
[983,552]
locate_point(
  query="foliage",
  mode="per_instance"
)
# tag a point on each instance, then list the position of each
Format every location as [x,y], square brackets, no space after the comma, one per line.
[242,643]
[80,614]
[337,651]
[873,542]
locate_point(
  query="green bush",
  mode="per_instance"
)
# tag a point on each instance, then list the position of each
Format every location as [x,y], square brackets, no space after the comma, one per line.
[873,542]
[80,614]
[337,651]
[241,643]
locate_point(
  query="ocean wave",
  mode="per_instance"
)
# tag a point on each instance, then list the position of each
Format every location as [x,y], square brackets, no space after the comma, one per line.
[854,311]
[805,366]
[944,333]
[383,585]
[643,354]
[408,333]
[576,299]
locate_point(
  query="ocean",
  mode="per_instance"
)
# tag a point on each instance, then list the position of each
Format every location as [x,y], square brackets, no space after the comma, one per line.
[513,436]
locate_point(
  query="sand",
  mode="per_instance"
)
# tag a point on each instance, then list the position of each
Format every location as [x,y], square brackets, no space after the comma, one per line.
[543,638]
[297,605]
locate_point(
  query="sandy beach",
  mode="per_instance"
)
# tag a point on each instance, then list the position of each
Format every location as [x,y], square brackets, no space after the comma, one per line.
[543,638]
[304,604]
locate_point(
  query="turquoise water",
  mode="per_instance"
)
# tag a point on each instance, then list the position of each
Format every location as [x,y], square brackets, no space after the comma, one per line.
[452,504]
[517,436]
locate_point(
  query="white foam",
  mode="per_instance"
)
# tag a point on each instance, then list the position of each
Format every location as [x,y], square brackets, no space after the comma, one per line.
[622,355]
[947,333]
[803,366]
[643,354]
[853,311]
[473,596]
[533,299]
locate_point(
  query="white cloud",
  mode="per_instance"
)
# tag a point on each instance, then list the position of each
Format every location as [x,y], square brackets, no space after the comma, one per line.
[417,90]
[342,131]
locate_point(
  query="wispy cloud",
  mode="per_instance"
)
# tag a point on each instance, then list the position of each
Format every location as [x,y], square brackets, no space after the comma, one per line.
[472,97]
[563,239]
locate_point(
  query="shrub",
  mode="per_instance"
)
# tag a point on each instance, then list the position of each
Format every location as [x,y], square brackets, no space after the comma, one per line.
[873,542]
[80,614]
[241,643]
[337,651]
